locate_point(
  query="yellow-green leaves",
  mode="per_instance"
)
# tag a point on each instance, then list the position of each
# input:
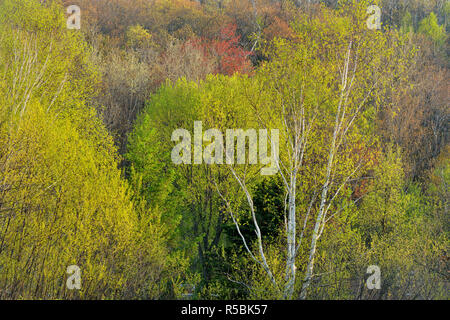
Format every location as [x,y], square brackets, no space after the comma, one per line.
[63,200]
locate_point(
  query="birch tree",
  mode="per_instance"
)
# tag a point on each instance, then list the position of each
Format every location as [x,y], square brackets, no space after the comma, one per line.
[318,90]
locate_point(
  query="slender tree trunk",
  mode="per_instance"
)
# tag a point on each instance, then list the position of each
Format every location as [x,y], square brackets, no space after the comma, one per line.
[291,234]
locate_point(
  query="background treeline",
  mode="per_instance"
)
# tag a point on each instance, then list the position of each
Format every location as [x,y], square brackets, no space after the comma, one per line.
[86,176]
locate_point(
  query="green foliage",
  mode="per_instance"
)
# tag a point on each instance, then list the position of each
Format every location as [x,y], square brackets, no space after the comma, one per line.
[429,26]
[149,149]
[165,227]
[63,201]
[407,23]
[396,233]
[381,204]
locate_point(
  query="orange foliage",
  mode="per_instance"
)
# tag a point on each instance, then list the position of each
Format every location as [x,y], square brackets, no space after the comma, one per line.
[230,57]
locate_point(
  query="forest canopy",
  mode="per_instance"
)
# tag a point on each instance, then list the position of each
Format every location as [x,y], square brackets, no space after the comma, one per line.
[311,149]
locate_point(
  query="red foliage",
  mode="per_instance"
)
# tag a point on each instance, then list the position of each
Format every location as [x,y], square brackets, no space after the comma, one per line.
[231,57]
[227,53]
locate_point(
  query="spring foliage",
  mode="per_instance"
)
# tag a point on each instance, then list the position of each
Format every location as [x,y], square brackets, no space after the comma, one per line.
[87,179]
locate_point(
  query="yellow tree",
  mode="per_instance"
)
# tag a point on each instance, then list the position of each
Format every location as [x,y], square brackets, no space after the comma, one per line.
[62,198]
